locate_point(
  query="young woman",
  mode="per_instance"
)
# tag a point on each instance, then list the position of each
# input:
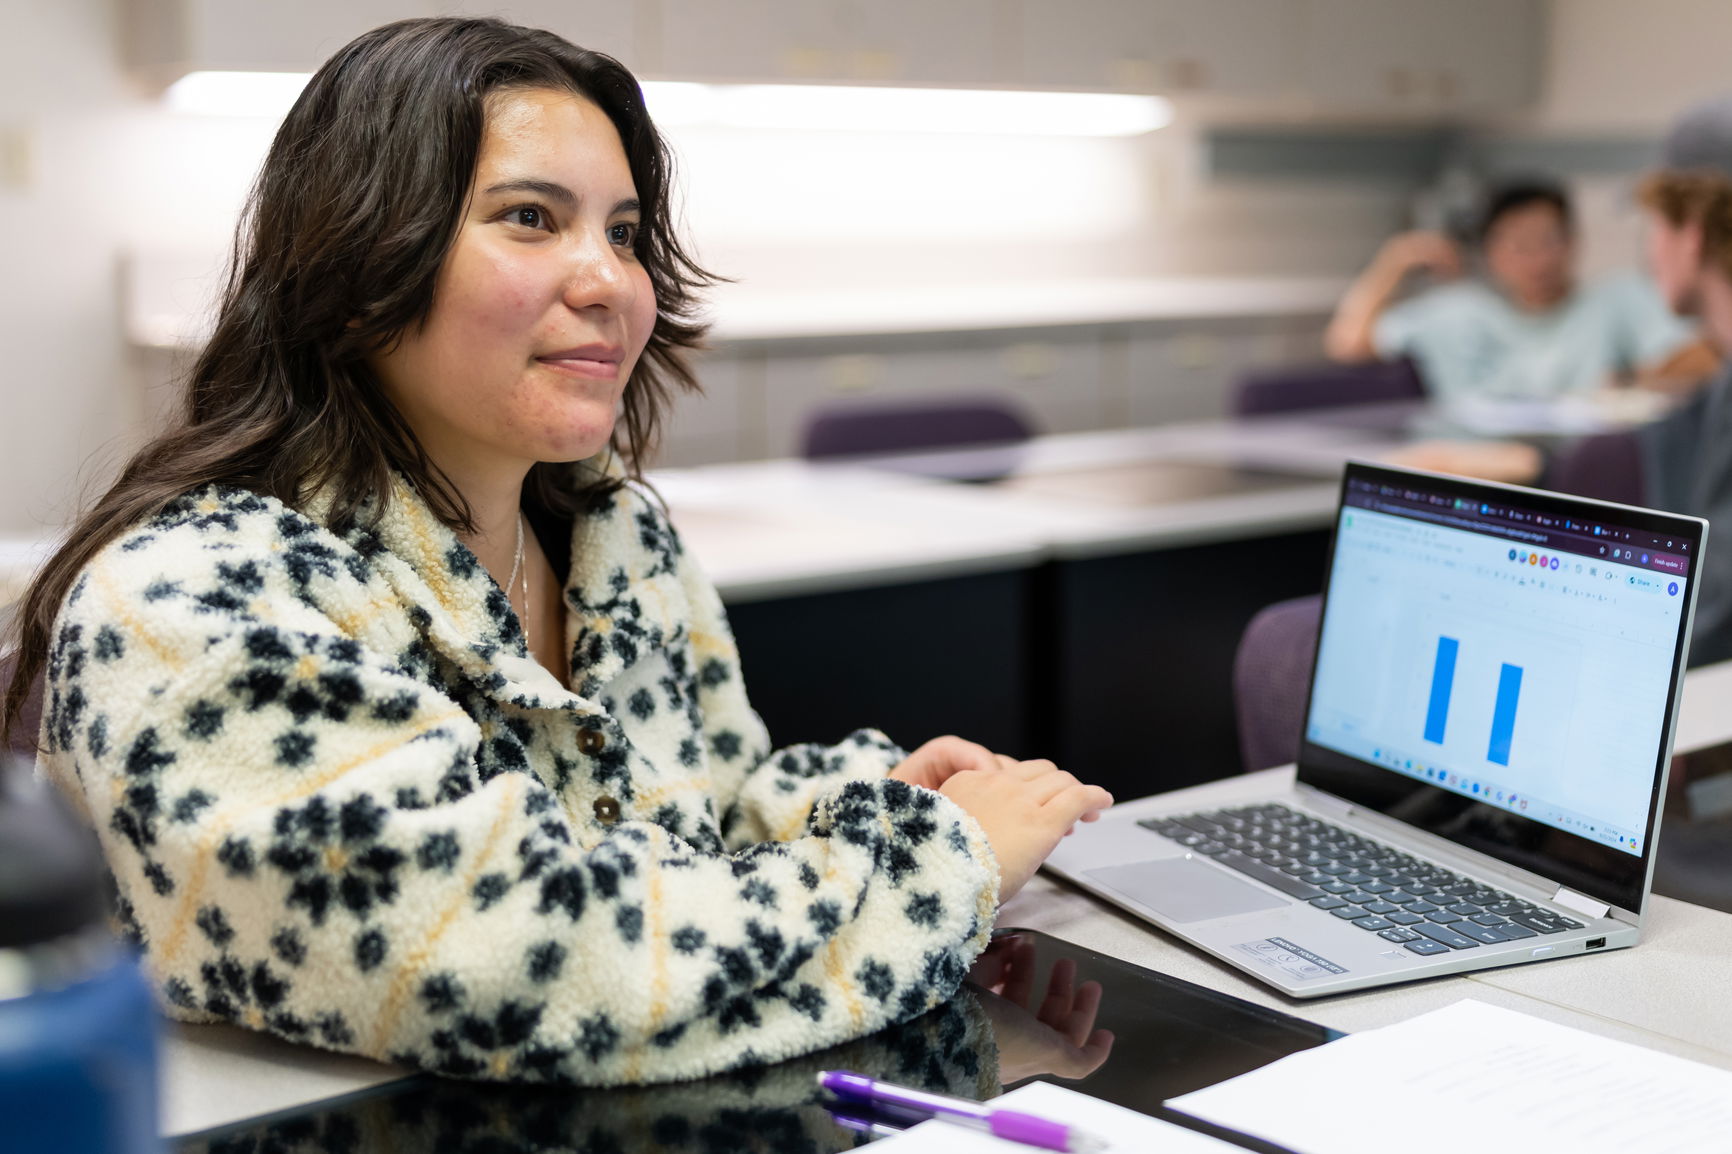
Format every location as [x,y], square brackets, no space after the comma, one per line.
[406,724]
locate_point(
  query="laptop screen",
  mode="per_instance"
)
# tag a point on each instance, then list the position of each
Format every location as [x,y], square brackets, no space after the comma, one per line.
[1498,666]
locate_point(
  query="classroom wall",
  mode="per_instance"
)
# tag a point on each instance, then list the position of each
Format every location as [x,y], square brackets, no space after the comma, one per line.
[1616,65]
[95,176]
[64,202]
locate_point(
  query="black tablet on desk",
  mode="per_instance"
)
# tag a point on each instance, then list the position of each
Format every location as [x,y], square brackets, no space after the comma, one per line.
[1169,1037]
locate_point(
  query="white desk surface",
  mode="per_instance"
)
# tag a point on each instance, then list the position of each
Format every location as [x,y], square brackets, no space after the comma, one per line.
[777,528]
[1669,993]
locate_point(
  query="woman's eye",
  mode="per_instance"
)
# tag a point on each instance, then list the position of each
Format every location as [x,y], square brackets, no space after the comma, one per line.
[528,215]
[623,235]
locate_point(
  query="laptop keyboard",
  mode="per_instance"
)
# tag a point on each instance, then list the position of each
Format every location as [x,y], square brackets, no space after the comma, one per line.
[1400,898]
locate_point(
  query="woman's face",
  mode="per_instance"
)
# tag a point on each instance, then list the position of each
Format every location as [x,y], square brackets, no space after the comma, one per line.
[541,308]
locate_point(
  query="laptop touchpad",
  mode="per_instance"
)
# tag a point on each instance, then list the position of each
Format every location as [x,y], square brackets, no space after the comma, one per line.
[1186,890]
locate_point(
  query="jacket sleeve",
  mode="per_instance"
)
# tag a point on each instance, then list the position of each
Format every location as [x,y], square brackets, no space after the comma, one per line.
[763,794]
[302,843]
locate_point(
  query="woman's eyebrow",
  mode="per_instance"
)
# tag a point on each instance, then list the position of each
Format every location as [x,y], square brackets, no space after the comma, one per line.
[554,191]
[551,190]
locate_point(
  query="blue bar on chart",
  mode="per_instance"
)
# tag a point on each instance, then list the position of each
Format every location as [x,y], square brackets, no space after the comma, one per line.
[1509,689]
[1442,680]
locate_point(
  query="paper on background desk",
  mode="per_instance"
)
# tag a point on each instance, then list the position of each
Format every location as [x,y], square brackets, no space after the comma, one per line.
[1477,1077]
[1125,1131]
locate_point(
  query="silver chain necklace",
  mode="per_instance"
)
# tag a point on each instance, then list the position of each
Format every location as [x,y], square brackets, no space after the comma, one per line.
[517,566]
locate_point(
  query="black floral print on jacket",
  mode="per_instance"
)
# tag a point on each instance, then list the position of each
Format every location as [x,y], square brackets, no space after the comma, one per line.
[343,804]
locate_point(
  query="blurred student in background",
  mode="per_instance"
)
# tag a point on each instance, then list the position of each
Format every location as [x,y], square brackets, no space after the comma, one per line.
[1687,458]
[1521,329]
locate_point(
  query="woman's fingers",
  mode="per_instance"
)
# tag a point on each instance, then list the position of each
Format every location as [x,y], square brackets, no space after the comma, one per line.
[1055,1008]
[1031,770]
[940,759]
[1083,1012]
[1096,1049]
[1071,803]
[1043,789]
[1019,975]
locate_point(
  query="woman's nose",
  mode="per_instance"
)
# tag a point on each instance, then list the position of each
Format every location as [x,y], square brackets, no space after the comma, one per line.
[597,277]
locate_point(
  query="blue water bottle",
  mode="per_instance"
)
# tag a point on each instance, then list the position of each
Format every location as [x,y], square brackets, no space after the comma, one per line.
[77,1027]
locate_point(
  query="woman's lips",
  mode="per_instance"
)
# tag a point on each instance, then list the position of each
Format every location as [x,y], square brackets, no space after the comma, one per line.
[597,362]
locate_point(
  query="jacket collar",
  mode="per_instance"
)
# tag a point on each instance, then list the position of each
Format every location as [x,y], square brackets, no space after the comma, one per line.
[623,595]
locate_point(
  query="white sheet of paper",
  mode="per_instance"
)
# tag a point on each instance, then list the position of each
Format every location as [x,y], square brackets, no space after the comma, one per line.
[1476,1077]
[1126,1131]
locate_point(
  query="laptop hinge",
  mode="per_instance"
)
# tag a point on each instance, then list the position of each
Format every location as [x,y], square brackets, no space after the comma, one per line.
[1580,903]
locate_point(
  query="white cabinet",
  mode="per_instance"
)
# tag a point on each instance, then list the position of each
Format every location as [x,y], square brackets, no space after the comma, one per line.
[1420,55]
[166,39]
[1228,47]
[1088,44]
[1406,57]
[1487,52]
[748,40]
[1189,374]
[954,42]
[1174,47]
[713,426]
[608,26]
[907,41]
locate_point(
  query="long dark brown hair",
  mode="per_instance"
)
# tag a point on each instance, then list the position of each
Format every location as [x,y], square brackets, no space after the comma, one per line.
[359,201]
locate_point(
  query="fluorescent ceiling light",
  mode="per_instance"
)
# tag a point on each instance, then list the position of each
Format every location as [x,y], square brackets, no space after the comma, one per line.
[237,93]
[789,107]
[823,107]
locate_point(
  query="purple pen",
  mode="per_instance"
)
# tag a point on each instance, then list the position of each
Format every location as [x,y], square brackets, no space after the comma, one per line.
[1011,1124]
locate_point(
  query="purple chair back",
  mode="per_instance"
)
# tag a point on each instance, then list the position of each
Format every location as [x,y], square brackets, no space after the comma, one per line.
[23,743]
[1607,468]
[912,426]
[1271,678]
[1323,386]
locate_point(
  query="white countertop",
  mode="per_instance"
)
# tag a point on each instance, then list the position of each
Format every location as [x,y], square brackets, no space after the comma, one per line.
[789,527]
[764,529]
[741,313]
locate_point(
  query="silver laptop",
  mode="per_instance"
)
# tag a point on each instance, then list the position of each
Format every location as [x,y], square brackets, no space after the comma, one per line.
[1483,758]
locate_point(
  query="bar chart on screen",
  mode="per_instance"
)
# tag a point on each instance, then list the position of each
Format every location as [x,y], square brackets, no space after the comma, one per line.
[1507,701]
[1488,682]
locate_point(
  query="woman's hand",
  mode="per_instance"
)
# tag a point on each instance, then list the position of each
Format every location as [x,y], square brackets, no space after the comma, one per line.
[1057,1038]
[1025,807]
[938,760]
